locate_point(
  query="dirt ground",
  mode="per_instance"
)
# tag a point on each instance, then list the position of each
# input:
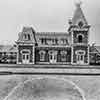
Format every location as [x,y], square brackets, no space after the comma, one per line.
[89,84]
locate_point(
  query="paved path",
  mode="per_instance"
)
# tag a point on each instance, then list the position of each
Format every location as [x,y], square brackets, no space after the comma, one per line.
[49,69]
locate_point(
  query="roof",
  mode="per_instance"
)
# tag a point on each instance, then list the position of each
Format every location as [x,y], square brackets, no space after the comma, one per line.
[78,15]
[27,30]
[8,48]
[98,48]
[53,35]
[35,36]
[95,49]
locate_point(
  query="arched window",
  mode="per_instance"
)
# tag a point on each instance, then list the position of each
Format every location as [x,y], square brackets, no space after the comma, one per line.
[51,53]
[63,55]
[80,39]
[42,55]
[80,24]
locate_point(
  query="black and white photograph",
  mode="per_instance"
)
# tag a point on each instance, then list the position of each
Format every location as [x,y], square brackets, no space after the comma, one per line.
[49,50]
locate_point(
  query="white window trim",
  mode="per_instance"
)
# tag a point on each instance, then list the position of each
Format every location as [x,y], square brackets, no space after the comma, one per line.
[63,52]
[26,36]
[63,55]
[42,57]
[52,52]
[80,34]
[25,50]
[77,52]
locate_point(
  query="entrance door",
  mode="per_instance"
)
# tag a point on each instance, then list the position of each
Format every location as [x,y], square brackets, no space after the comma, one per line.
[25,57]
[52,57]
[80,59]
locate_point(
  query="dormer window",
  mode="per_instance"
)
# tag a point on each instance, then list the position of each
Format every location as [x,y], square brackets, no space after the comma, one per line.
[80,24]
[27,37]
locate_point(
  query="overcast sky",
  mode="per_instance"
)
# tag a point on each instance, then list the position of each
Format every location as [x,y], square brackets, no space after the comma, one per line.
[44,15]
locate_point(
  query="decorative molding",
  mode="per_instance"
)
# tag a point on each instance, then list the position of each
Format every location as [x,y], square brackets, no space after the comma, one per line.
[66,63]
[42,51]
[61,46]
[82,51]
[80,20]
[80,34]
[78,29]
[52,52]
[25,50]
[63,52]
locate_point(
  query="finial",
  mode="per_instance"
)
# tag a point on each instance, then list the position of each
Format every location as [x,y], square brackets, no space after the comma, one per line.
[78,3]
[70,21]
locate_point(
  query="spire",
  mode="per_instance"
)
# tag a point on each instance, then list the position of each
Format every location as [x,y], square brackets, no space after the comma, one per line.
[78,4]
[78,15]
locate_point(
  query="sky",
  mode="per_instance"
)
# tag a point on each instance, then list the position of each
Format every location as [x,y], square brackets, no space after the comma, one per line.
[45,15]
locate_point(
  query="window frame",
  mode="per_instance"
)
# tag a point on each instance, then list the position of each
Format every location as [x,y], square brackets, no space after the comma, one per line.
[81,36]
[42,55]
[63,55]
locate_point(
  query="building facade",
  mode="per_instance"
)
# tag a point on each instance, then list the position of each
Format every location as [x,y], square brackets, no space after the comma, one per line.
[56,47]
[71,47]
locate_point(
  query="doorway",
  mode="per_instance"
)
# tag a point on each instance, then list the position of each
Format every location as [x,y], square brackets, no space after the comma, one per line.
[52,57]
[25,57]
[80,57]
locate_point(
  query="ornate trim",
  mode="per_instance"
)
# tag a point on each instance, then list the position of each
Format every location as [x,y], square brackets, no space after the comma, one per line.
[25,50]
[82,51]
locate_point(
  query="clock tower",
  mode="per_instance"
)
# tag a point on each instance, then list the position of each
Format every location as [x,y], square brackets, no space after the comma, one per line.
[79,30]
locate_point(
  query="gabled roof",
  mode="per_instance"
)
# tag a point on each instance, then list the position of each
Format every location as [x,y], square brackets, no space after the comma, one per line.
[78,15]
